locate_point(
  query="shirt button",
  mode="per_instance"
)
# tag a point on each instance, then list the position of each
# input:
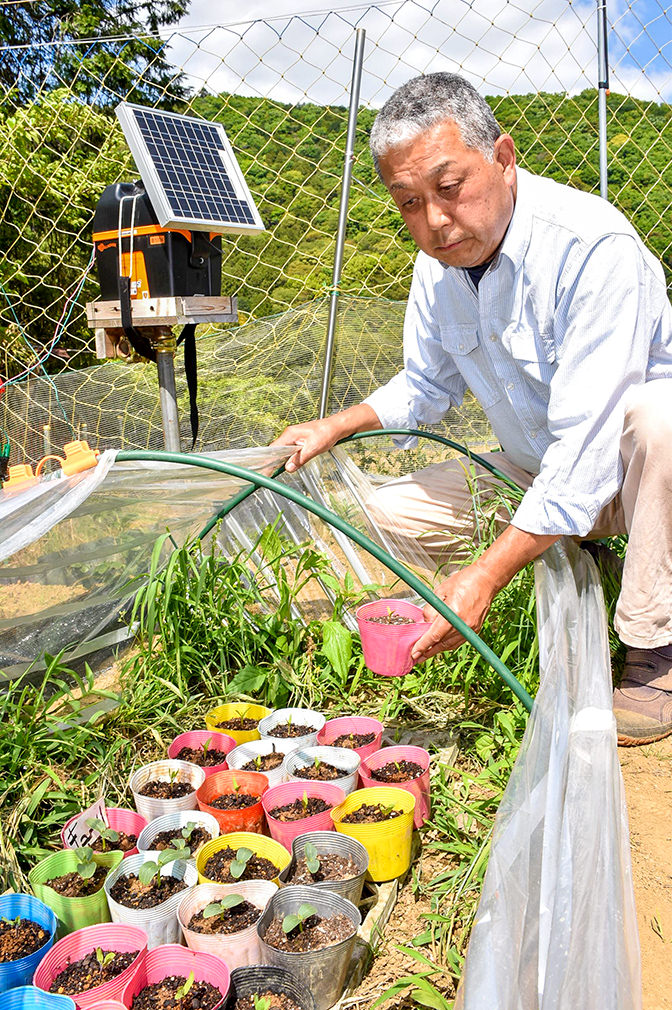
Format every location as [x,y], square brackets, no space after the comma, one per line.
[493,336]
[461,346]
[509,385]
[533,434]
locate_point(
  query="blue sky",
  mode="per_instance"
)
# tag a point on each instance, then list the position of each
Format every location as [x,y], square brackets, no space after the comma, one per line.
[503,46]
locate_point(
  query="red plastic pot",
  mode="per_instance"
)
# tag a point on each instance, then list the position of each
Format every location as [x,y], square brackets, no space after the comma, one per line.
[387,647]
[352,724]
[200,737]
[119,819]
[249,818]
[277,796]
[418,787]
[173,959]
[108,936]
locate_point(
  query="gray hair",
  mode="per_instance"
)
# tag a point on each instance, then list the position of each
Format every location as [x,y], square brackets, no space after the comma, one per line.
[424,101]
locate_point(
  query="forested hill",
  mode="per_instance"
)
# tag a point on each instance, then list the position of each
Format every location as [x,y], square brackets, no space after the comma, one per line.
[57,154]
[292,157]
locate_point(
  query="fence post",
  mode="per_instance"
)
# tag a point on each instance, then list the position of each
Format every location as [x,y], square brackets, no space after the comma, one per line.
[357,64]
[602,91]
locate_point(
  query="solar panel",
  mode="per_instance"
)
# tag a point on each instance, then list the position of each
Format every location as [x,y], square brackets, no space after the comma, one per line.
[189,171]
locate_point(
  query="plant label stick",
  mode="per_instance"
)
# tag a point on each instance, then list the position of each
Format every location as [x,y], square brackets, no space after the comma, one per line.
[79,833]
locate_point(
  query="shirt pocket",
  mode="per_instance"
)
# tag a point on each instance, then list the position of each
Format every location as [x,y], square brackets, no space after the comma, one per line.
[533,353]
[461,342]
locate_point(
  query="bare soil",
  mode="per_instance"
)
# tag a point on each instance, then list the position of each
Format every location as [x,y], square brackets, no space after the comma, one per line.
[297,809]
[238,723]
[332,867]
[277,1000]
[231,920]
[234,801]
[256,868]
[19,939]
[353,740]
[131,892]
[161,789]
[123,844]
[198,837]
[264,762]
[370,813]
[88,971]
[161,995]
[289,730]
[197,756]
[395,619]
[397,771]
[313,934]
[323,772]
[71,885]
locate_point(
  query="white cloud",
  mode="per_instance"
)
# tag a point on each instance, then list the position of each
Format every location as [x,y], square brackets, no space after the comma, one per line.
[297,55]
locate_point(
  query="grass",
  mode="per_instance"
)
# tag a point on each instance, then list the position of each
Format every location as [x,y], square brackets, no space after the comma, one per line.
[207,633]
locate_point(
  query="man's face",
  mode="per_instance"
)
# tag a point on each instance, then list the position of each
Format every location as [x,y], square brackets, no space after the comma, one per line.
[455,203]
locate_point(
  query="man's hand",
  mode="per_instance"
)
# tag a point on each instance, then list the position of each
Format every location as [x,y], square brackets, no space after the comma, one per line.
[469,592]
[315,437]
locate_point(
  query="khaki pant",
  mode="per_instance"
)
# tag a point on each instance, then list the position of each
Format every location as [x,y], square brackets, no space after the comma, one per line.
[443,509]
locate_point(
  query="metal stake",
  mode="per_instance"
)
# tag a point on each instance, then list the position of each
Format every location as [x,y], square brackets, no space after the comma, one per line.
[602,90]
[165,363]
[342,216]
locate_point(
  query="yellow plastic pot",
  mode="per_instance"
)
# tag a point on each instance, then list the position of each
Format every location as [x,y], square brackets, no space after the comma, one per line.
[232,711]
[262,846]
[388,843]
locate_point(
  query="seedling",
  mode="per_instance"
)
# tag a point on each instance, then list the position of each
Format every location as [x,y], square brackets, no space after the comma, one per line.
[304,801]
[236,784]
[310,855]
[219,907]
[184,989]
[298,918]
[257,761]
[289,721]
[317,762]
[86,866]
[205,747]
[386,810]
[186,832]
[172,775]
[238,865]
[106,834]
[12,922]
[176,850]
[261,1002]
[104,959]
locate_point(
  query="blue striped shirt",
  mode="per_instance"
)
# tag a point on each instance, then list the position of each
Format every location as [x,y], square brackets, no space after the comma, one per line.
[572,312]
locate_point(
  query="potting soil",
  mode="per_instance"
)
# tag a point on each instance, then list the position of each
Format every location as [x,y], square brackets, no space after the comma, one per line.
[297,809]
[332,867]
[353,740]
[161,995]
[256,868]
[123,844]
[314,933]
[71,885]
[19,939]
[277,1001]
[323,772]
[88,971]
[234,801]
[131,892]
[396,619]
[264,762]
[231,920]
[397,771]
[370,813]
[161,789]
[239,724]
[289,730]
[198,837]
[196,756]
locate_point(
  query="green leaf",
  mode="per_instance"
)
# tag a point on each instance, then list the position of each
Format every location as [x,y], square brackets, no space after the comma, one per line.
[147,872]
[337,647]
[248,680]
[184,989]
[290,922]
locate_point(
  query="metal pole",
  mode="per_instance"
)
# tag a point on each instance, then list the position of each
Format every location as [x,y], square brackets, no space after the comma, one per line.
[602,91]
[342,216]
[165,363]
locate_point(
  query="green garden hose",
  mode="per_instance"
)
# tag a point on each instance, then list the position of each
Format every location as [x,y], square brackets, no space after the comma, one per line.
[396,567]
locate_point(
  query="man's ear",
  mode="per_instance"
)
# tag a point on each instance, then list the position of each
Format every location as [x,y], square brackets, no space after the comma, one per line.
[505,157]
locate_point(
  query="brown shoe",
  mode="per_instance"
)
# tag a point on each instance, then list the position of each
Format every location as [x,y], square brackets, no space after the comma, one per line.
[643,703]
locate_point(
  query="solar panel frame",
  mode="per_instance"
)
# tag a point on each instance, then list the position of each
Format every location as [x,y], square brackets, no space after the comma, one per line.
[149,152]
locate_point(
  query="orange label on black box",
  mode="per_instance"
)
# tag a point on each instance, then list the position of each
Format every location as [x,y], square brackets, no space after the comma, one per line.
[157,239]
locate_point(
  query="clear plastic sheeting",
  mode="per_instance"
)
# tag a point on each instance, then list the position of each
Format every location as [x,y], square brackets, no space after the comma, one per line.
[556,926]
[74,546]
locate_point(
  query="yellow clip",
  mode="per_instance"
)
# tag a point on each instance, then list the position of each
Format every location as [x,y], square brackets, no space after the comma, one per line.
[20,478]
[79,456]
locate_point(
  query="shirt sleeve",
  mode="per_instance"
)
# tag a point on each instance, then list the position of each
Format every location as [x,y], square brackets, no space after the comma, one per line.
[429,383]
[605,300]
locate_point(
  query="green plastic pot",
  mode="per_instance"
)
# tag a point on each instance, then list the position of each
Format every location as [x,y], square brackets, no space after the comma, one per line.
[73,913]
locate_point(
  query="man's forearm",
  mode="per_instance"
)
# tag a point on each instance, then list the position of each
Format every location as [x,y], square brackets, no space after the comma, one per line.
[511,551]
[361,417]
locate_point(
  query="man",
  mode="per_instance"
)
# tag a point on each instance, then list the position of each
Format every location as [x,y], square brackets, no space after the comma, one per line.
[545,303]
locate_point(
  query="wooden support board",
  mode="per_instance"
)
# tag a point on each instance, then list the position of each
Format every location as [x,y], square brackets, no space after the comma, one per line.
[164,311]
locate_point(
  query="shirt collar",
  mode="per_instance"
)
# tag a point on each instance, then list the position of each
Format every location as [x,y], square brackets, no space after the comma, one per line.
[517,236]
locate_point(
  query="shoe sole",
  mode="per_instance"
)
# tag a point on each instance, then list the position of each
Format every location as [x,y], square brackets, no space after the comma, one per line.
[640,741]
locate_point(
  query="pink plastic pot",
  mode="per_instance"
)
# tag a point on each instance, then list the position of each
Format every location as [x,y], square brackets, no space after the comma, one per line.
[235,949]
[118,819]
[387,647]
[249,818]
[199,737]
[109,1004]
[418,787]
[108,936]
[173,959]
[278,796]
[352,724]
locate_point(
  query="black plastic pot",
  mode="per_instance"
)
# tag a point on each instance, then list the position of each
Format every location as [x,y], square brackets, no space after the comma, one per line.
[267,978]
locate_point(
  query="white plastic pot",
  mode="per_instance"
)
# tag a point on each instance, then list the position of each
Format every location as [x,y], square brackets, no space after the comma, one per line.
[300,717]
[149,807]
[179,819]
[159,923]
[248,751]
